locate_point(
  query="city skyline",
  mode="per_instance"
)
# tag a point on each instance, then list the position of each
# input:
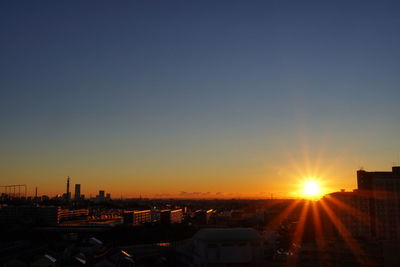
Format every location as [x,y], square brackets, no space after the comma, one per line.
[171,99]
[313,188]
[200,133]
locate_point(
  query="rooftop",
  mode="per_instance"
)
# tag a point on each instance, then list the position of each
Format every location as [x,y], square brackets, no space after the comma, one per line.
[227,234]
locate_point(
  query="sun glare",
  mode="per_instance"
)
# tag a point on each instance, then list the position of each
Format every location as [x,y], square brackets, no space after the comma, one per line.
[311,189]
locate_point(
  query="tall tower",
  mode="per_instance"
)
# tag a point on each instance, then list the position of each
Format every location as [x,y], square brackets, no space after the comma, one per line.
[68,193]
[77,191]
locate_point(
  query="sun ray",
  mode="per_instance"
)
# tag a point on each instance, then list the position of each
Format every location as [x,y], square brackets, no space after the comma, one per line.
[358,253]
[276,222]
[357,214]
[319,233]
[298,234]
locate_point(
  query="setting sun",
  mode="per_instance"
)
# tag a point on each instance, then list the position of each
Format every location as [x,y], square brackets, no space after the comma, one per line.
[311,189]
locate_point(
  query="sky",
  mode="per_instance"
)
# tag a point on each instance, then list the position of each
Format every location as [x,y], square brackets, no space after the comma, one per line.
[207,99]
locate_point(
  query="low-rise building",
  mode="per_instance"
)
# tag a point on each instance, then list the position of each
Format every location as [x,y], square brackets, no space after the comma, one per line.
[72,214]
[136,217]
[171,216]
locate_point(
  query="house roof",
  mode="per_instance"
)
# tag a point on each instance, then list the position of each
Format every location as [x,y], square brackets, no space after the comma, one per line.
[227,234]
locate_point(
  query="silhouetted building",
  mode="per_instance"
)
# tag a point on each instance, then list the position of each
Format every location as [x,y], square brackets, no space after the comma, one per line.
[101,196]
[68,194]
[352,209]
[29,215]
[383,192]
[43,216]
[202,217]
[77,191]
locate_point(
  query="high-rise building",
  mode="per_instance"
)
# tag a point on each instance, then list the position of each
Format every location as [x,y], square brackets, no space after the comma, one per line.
[77,191]
[383,192]
[68,194]
[101,193]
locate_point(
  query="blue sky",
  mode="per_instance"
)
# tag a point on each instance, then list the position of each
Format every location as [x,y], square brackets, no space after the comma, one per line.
[183,94]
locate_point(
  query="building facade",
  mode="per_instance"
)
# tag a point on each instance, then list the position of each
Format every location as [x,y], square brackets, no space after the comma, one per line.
[353,211]
[383,192]
[136,217]
[77,192]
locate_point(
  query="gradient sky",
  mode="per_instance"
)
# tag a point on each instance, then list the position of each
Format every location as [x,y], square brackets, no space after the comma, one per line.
[197,98]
